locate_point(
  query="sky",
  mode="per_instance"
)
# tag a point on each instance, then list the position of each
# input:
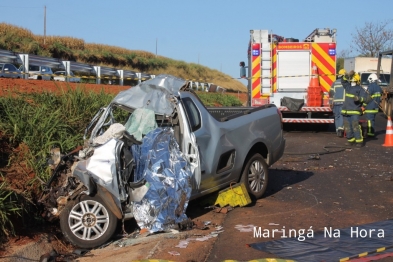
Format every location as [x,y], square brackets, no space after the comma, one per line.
[212,33]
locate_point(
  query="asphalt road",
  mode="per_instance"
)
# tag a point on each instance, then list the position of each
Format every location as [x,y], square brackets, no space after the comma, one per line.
[332,189]
[340,190]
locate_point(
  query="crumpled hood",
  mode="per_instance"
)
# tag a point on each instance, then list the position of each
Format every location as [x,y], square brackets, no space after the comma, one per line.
[156,94]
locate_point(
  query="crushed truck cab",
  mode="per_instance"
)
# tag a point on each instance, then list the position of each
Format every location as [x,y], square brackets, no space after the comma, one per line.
[150,151]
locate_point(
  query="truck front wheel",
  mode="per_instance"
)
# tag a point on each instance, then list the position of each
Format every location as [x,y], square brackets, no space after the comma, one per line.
[88,222]
[255,176]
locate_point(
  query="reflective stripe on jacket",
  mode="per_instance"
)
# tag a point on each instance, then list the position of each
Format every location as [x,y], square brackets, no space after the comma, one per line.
[375,91]
[350,106]
[337,93]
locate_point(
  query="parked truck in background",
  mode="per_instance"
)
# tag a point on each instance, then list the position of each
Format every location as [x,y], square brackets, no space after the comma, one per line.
[365,66]
[280,70]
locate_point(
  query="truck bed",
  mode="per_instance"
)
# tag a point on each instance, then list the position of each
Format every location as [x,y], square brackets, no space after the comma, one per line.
[223,114]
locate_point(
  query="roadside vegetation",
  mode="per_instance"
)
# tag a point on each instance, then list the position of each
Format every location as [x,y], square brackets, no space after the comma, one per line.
[33,123]
[21,40]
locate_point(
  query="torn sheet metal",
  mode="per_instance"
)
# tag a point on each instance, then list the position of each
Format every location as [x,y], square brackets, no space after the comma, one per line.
[101,166]
[156,94]
[102,163]
[160,162]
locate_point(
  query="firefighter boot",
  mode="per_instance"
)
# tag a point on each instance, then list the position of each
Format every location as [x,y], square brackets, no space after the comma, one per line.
[349,143]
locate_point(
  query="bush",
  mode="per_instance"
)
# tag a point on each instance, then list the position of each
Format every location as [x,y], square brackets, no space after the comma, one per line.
[49,120]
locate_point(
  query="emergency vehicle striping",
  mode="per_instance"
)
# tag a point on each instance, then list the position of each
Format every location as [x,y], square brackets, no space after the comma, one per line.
[274,68]
[308,120]
[256,76]
[308,109]
[325,64]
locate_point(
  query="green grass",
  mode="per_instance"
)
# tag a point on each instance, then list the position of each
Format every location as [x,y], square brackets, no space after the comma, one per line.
[214,99]
[47,120]
[8,209]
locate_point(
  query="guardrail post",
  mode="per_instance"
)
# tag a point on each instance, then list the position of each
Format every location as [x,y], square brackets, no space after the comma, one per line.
[25,63]
[121,74]
[139,75]
[202,86]
[67,66]
[208,86]
[97,70]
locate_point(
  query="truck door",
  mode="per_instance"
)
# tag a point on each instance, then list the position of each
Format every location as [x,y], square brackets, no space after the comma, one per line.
[191,121]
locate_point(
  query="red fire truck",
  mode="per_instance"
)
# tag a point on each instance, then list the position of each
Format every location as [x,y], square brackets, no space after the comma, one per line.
[294,75]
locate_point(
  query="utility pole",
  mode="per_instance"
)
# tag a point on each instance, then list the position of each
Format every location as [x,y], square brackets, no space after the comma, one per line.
[198,58]
[44,24]
[156,45]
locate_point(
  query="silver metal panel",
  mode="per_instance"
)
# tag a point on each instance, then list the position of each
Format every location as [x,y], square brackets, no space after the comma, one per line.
[293,70]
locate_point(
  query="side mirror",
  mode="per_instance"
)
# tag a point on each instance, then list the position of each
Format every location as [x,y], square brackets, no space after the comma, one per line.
[242,70]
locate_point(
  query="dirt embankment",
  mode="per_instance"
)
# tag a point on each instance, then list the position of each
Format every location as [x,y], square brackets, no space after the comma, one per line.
[22,85]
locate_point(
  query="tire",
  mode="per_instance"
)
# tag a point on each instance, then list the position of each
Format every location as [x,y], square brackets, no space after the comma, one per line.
[89,233]
[255,176]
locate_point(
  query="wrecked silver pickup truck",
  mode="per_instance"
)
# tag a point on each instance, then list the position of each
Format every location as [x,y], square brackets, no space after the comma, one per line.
[150,151]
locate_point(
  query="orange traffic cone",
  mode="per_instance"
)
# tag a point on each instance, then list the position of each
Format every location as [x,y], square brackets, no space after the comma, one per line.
[314,82]
[389,133]
[314,91]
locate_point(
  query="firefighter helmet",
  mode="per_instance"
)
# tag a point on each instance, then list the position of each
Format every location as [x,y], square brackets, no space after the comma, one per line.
[342,72]
[355,78]
[373,78]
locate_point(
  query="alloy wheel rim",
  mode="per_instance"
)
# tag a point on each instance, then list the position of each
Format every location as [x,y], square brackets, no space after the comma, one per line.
[256,176]
[88,220]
